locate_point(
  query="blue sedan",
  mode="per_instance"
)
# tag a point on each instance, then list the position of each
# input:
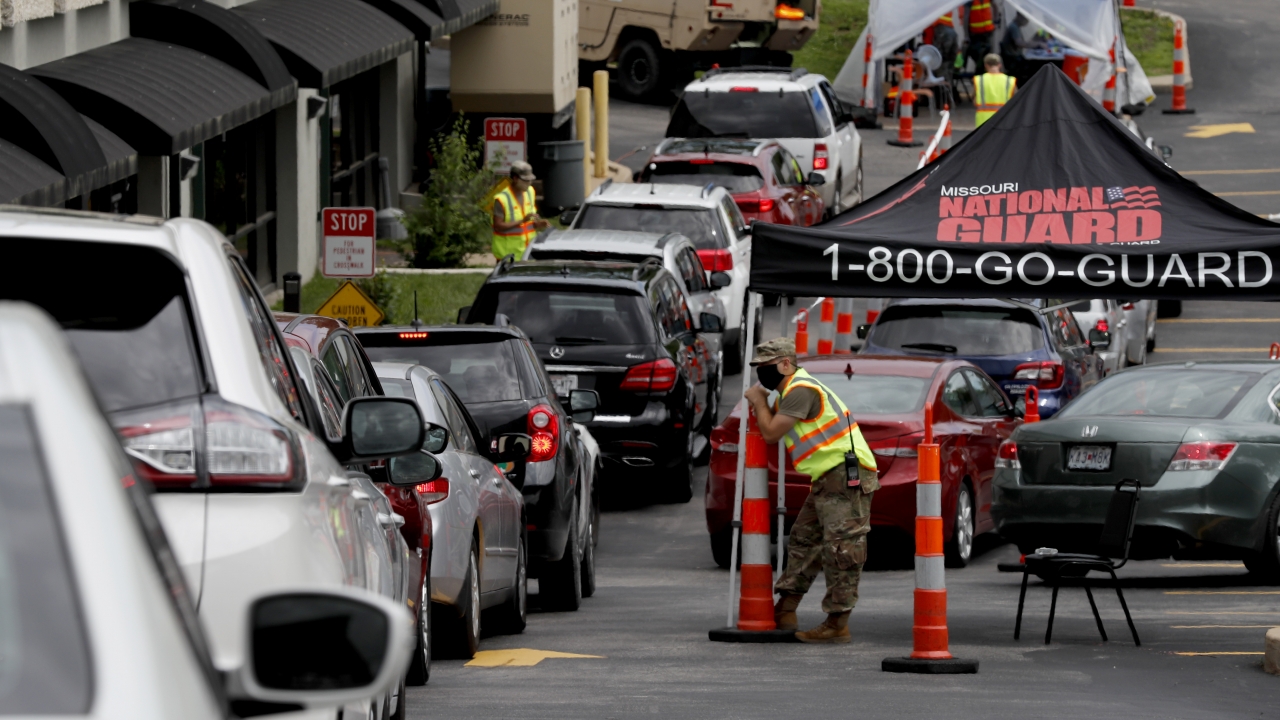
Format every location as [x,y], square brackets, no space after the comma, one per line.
[1017,347]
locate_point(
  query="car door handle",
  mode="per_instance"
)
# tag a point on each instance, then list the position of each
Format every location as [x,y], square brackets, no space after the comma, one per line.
[474,474]
[390,519]
[359,495]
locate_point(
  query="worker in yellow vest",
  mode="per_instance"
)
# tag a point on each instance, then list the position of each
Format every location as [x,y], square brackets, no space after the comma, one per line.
[515,214]
[991,90]
[824,442]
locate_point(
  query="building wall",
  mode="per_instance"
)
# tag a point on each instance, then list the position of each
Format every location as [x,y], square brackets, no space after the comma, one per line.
[40,31]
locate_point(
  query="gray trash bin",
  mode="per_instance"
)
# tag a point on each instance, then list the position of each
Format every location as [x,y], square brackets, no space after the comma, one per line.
[562,187]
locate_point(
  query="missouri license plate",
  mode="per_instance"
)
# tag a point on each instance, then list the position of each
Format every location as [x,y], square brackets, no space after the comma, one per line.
[1089,457]
[563,384]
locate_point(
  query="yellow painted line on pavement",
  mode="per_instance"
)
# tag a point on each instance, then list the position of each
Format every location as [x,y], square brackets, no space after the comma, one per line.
[1218,652]
[1211,350]
[1219,320]
[1202,565]
[1198,627]
[1222,592]
[1210,131]
[1224,612]
[1259,171]
[519,657]
[1247,193]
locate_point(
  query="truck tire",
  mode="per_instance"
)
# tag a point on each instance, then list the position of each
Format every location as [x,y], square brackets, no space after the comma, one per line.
[639,69]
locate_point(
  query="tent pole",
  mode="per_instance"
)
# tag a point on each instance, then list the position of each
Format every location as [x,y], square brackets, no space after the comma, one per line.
[753,302]
[782,463]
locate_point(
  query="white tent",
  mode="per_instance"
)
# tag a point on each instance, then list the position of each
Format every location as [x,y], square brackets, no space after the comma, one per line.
[1088,26]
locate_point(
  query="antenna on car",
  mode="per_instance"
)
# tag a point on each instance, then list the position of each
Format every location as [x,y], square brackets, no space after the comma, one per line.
[416,322]
[706,190]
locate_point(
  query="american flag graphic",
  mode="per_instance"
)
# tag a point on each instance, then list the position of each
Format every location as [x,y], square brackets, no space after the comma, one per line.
[1133,197]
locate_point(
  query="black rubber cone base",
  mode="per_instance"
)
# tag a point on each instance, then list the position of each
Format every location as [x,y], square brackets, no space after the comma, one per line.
[899,143]
[954,666]
[735,635]
[1183,111]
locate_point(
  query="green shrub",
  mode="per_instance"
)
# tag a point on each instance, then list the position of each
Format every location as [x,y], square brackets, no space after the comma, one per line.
[453,220]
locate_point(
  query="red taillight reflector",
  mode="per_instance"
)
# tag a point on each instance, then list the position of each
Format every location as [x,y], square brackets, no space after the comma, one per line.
[434,491]
[544,432]
[1047,374]
[716,260]
[1007,455]
[702,161]
[656,376]
[413,335]
[1201,455]
[743,88]
[530,526]
[1102,325]
[820,156]
[755,205]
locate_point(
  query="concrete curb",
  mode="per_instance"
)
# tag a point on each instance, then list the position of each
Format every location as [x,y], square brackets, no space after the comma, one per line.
[1271,654]
[1164,83]
[436,271]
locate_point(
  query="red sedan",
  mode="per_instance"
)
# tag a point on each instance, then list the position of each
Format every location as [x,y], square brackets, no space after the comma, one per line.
[886,394]
[763,177]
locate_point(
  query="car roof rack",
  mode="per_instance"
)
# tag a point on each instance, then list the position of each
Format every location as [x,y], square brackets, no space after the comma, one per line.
[707,189]
[644,265]
[504,265]
[603,185]
[792,73]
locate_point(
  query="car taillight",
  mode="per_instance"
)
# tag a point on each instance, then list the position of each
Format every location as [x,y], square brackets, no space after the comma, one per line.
[755,205]
[415,335]
[820,156]
[544,430]
[1102,325]
[743,88]
[702,161]
[1202,455]
[1127,306]
[434,491]
[716,260]
[1007,456]
[1046,374]
[656,376]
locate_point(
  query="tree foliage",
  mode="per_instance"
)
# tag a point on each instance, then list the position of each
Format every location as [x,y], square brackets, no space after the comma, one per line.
[453,220]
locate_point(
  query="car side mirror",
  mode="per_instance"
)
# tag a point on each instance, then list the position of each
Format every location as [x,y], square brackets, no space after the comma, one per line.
[863,330]
[375,428]
[510,447]
[410,470]
[463,312]
[1099,339]
[568,216]
[720,280]
[711,323]
[583,404]
[1166,152]
[437,439]
[816,179]
[323,648]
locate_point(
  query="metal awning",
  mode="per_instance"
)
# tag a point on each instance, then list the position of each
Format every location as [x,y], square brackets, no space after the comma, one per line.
[418,18]
[459,14]
[157,97]
[27,180]
[327,41]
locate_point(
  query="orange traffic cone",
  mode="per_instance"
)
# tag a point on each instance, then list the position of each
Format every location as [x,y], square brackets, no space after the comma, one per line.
[1179,74]
[906,108]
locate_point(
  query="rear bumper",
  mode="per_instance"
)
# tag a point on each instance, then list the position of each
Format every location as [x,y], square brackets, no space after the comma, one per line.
[650,439]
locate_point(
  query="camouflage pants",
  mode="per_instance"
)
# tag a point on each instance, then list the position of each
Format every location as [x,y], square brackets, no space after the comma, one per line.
[830,534]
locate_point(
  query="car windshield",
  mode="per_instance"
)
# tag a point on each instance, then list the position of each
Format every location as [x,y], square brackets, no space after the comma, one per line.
[734,177]
[743,114]
[477,372]
[1164,393]
[958,330]
[876,394]
[568,317]
[698,224]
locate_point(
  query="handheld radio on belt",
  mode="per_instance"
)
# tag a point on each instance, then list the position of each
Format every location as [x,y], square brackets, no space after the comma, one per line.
[851,464]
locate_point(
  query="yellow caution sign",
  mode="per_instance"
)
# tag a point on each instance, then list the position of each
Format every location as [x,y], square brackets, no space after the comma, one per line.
[519,657]
[350,304]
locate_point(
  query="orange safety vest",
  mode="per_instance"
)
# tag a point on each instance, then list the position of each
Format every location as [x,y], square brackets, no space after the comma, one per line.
[981,20]
[945,20]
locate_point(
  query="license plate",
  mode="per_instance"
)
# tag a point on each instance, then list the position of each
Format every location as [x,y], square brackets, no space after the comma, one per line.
[1017,390]
[1089,457]
[563,384]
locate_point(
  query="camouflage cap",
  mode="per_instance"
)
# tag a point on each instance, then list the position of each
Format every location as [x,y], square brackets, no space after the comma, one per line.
[774,349]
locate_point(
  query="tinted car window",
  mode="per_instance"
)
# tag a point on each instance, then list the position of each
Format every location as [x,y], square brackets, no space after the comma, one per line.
[477,372]
[743,114]
[458,426]
[876,394]
[990,401]
[360,385]
[1172,393]
[958,395]
[322,390]
[570,317]
[333,364]
[695,278]
[271,351]
[796,177]
[732,214]
[734,177]
[531,367]
[700,225]
[958,330]
[44,655]
[820,113]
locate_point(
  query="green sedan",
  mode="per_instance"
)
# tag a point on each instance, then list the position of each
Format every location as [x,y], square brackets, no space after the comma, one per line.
[1202,438]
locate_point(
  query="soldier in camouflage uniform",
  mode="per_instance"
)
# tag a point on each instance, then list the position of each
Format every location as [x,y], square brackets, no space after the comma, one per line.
[830,533]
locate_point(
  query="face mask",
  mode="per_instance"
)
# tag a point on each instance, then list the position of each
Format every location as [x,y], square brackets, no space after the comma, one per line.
[769,376]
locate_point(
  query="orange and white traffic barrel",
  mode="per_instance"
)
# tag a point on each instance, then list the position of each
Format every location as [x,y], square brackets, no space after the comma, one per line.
[906,107]
[1179,73]
[827,327]
[1109,92]
[802,332]
[844,326]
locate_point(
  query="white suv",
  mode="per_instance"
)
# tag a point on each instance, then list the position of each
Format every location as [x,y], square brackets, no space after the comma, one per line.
[797,109]
[707,216]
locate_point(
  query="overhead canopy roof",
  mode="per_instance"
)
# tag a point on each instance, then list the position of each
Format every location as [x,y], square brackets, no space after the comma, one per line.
[419,19]
[1051,198]
[459,14]
[159,98]
[327,41]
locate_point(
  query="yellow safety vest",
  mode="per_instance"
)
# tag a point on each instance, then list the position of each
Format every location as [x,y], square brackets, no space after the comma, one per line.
[992,91]
[820,444]
[513,241]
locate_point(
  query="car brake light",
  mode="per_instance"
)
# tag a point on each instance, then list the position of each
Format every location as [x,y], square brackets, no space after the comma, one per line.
[702,161]
[544,431]
[785,12]
[655,376]
[1102,325]
[1201,456]
[1007,456]
[716,260]
[1127,306]
[820,156]
[413,335]
[434,491]
[1047,374]
[755,205]
[741,88]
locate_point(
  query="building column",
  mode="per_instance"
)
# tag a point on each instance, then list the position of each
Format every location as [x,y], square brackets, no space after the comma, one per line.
[396,121]
[297,187]
[153,185]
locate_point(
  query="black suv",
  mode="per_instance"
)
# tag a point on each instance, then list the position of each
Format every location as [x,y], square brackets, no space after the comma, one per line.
[495,373]
[625,331]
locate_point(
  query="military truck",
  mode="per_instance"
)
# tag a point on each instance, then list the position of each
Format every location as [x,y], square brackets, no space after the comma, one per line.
[659,44]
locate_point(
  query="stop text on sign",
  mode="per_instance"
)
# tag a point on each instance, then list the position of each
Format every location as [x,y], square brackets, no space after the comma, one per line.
[349,244]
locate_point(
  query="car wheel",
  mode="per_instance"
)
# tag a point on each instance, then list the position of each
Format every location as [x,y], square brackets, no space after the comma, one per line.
[398,700]
[589,557]
[465,640]
[1151,344]
[561,585]
[639,69]
[837,198]
[857,181]
[960,549]
[680,489]
[513,615]
[722,545]
[420,666]
[1265,565]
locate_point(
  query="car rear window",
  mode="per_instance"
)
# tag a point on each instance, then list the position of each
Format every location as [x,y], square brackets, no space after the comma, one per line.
[743,114]
[477,371]
[129,325]
[734,177]
[700,225]
[572,317]
[958,330]
[876,394]
[44,656]
[1164,393]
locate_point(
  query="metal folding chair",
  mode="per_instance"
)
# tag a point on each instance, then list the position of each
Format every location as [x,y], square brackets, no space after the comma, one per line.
[1117,533]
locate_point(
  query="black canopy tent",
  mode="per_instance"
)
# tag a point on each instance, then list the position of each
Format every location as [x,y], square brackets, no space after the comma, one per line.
[1053,197]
